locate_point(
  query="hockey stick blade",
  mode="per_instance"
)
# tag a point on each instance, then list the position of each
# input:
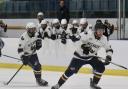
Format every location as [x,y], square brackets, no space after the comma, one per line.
[5,83]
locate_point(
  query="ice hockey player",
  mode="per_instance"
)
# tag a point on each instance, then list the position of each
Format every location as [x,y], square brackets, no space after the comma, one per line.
[63,29]
[86,53]
[89,29]
[74,34]
[3,29]
[40,16]
[1,46]
[28,44]
[83,25]
[55,32]
[44,30]
[75,23]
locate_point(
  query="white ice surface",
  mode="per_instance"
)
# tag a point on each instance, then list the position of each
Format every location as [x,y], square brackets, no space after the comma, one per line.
[25,80]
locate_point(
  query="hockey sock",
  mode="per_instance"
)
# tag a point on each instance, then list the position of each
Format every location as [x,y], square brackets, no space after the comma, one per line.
[96,78]
[37,74]
[62,80]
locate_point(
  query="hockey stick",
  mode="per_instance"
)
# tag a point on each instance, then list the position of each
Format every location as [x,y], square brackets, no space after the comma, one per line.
[11,57]
[16,71]
[115,64]
[14,75]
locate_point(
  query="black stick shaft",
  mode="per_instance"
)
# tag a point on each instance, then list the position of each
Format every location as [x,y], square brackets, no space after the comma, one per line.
[10,57]
[117,64]
[14,74]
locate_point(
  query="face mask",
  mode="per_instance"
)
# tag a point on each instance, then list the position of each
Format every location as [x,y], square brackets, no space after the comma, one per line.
[43,26]
[99,33]
[31,32]
[64,27]
[57,26]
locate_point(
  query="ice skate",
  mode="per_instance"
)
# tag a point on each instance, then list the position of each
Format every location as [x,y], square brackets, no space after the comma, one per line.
[93,86]
[55,86]
[42,82]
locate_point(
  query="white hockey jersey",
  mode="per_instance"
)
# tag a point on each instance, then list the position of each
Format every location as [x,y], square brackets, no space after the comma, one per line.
[95,45]
[27,45]
[42,33]
[85,31]
[80,29]
[72,31]
[56,32]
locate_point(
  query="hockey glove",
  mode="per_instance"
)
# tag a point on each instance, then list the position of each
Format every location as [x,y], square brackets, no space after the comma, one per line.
[5,28]
[108,59]
[73,38]
[46,35]
[38,44]
[74,30]
[63,41]
[53,36]
[25,59]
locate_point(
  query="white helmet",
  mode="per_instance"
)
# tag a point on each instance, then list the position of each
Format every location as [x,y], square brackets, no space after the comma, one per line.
[83,21]
[43,22]
[74,22]
[30,25]
[55,21]
[40,13]
[63,21]
[31,29]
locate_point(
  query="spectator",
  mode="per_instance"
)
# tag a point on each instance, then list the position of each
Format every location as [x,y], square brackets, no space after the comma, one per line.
[3,29]
[63,12]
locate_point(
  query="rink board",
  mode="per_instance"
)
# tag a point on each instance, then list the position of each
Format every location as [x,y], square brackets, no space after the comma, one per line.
[84,70]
